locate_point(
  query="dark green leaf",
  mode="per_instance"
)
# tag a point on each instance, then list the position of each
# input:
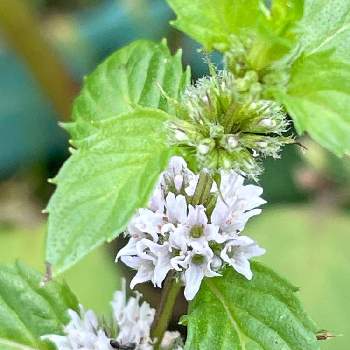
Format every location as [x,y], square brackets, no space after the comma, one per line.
[318,99]
[28,311]
[133,76]
[103,183]
[232,313]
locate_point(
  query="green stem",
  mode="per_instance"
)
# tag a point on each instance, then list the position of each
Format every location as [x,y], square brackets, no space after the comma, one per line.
[164,312]
[203,188]
[21,27]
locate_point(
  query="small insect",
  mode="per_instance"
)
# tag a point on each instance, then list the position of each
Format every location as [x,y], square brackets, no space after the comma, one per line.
[118,346]
[324,335]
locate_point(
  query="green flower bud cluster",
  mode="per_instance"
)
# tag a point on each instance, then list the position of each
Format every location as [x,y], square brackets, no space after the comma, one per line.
[244,58]
[222,123]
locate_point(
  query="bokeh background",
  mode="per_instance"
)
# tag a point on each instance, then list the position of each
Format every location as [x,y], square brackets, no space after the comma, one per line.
[46,47]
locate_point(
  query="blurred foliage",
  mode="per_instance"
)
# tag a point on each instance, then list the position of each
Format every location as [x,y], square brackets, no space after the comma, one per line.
[310,246]
[93,280]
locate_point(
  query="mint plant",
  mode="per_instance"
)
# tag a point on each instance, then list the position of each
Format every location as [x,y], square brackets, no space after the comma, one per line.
[168,162]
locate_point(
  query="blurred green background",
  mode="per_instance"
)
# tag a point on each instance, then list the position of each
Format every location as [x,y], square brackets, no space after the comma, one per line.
[46,47]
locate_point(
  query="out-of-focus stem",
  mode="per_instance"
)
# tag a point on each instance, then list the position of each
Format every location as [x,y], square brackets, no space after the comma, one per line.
[165,310]
[21,28]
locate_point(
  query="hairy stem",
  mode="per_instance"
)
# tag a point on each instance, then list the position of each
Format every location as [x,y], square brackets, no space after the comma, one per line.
[165,310]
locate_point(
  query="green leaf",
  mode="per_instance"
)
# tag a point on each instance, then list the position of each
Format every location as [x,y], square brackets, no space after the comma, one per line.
[211,23]
[318,100]
[133,76]
[102,184]
[325,26]
[232,313]
[28,311]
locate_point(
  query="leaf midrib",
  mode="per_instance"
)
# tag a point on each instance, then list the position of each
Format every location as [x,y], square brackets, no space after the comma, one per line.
[229,312]
[343,27]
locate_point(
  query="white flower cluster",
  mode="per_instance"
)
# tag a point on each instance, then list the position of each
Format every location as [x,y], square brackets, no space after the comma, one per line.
[133,321]
[172,234]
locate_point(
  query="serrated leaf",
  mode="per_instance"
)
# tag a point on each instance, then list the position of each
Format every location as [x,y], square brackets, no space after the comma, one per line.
[211,23]
[232,313]
[28,311]
[318,100]
[325,26]
[133,76]
[102,184]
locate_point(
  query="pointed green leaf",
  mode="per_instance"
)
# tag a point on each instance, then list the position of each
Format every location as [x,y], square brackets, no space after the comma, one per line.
[28,311]
[211,23]
[102,184]
[214,23]
[232,313]
[325,26]
[318,100]
[136,75]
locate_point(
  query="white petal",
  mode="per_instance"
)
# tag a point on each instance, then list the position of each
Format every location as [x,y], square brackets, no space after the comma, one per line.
[193,279]
[129,249]
[144,274]
[132,261]
[176,208]
[196,215]
[178,239]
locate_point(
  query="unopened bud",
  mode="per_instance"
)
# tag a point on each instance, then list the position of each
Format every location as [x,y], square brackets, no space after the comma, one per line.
[180,136]
[230,142]
[216,263]
[205,146]
[267,123]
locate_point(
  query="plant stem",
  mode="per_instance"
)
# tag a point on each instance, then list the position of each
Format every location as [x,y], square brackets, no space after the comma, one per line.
[21,26]
[203,188]
[164,311]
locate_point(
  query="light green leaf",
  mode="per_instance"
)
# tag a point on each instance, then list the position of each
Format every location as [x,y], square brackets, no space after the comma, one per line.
[326,25]
[28,311]
[211,23]
[133,76]
[102,184]
[232,313]
[318,100]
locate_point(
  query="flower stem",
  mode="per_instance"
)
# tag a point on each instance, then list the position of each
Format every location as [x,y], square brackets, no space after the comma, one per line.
[203,188]
[164,312]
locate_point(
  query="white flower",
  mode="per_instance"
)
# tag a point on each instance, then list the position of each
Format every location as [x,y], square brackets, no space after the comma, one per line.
[194,230]
[134,320]
[172,341]
[159,255]
[176,208]
[146,222]
[172,234]
[82,332]
[236,202]
[198,265]
[237,253]
[179,176]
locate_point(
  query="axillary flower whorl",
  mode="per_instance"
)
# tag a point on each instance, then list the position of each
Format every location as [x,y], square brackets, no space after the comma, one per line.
[223,124]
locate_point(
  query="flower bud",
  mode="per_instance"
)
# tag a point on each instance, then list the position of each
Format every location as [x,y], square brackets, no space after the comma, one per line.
[205,146]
